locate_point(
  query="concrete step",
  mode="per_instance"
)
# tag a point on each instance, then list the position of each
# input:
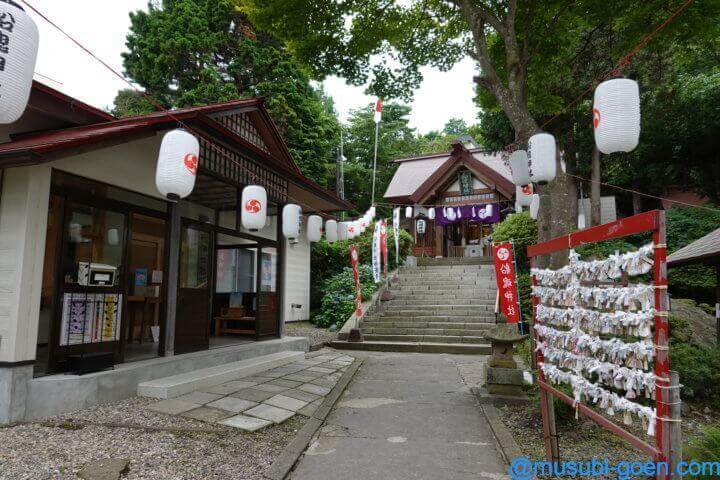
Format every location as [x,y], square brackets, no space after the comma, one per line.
[457,302]
[467,311]
[382,323]
[439,332]
[432,319]
[418,347]
[442,297]
[440,307]
[474,283]
[176,385]
[424,338]
[445,287]
[435,262]
[447,269]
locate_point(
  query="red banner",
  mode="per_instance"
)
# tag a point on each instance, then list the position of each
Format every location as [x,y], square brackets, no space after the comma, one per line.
[383,244]
[354,259]
[506,281]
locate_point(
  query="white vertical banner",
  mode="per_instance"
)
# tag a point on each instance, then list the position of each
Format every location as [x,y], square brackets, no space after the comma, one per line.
[376,253]
[396,231]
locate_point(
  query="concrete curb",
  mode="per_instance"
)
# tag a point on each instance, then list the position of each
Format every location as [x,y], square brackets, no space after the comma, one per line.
[280,469]
[509,448]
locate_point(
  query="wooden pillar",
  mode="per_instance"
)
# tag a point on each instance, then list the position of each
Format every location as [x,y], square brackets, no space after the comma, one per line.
[281,251]
[674,426]
[595,205]
[439,244]
[172,275]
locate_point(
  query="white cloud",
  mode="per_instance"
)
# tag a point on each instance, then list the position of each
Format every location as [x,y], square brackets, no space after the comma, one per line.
[103,25]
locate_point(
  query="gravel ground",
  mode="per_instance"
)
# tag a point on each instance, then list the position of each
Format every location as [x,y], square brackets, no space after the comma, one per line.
[582,440]
[317,336]
[159,447]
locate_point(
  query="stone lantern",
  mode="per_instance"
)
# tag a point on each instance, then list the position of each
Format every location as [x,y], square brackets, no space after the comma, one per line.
[502,375]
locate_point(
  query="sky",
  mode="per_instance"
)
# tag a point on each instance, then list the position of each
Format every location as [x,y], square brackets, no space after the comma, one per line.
[102,26]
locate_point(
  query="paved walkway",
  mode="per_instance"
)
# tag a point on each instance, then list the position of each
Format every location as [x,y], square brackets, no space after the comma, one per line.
[406,416]
[270,397]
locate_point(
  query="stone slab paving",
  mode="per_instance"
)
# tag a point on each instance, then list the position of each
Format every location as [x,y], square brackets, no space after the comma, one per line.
[266,398]
[405,416]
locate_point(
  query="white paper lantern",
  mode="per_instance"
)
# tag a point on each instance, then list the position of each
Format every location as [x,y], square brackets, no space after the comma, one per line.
[291,221]
[421,226]
[371,211]
[523,195]
[431,213]
[353,229]
[331,231]
[450,214]
[489,210]
[408,212]
[343,230]
[177,164]
[535,206]
[581,221]
[314,228]
[616,115]
[253,213]
[19,46]
[518,207]
[519,164]
[543,161]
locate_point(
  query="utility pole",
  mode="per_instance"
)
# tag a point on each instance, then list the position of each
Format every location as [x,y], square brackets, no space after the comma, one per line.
[340,173]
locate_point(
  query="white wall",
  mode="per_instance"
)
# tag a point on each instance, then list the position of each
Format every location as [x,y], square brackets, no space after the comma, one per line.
[23,224]
[296,279]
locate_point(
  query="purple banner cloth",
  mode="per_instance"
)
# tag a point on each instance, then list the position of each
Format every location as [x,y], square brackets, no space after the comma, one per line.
[484,212]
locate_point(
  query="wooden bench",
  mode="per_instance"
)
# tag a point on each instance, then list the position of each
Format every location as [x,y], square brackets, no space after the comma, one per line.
[237,314]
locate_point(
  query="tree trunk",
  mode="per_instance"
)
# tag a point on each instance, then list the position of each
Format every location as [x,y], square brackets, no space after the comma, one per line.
[595,189]
[636,201]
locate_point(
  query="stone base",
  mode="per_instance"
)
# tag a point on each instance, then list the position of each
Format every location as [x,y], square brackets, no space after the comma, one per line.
[503,381]
[387,295]
[14,392]
[355,336]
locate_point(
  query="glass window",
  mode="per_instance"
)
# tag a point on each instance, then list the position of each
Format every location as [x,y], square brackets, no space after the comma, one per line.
[94,240]
[268,272]
[194,258]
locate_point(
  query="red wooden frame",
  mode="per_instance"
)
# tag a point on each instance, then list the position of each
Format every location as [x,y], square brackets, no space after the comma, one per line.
[653,221]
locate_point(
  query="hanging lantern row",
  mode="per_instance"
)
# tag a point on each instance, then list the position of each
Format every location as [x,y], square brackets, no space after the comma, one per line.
[20,39]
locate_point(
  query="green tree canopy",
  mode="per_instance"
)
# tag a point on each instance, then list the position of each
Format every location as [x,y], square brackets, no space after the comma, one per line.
[196,52]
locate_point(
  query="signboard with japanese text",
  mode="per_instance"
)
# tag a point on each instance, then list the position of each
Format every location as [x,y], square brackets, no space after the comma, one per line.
[354,259]
[506,281]
[383,246]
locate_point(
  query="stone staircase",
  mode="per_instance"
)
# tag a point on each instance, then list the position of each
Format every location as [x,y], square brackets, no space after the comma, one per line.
[442,305]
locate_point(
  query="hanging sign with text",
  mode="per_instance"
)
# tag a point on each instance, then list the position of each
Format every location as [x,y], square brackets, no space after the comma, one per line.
[506,281]
[354,258]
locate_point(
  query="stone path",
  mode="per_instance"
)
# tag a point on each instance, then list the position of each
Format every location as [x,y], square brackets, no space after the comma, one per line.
[269,397]
[406,416]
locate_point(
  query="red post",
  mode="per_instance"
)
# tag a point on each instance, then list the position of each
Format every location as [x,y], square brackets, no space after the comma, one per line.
[662,333]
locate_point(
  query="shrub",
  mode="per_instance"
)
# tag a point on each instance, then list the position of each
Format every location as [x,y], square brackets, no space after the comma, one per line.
[329,259]
[523,230]
[699,370]
[338,301]
[704,448]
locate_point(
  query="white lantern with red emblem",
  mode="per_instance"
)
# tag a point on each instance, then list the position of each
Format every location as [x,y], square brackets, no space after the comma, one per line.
[314,228]
[177,164]
[520,167]
[19,40]
[535,206]
[253,213]
[291,221]
[616,115]
[523,195]
[343,230]
[543,161]
[331,231]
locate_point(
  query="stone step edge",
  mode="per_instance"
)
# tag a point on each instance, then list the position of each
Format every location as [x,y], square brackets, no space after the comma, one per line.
[176,385]
[415,347]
